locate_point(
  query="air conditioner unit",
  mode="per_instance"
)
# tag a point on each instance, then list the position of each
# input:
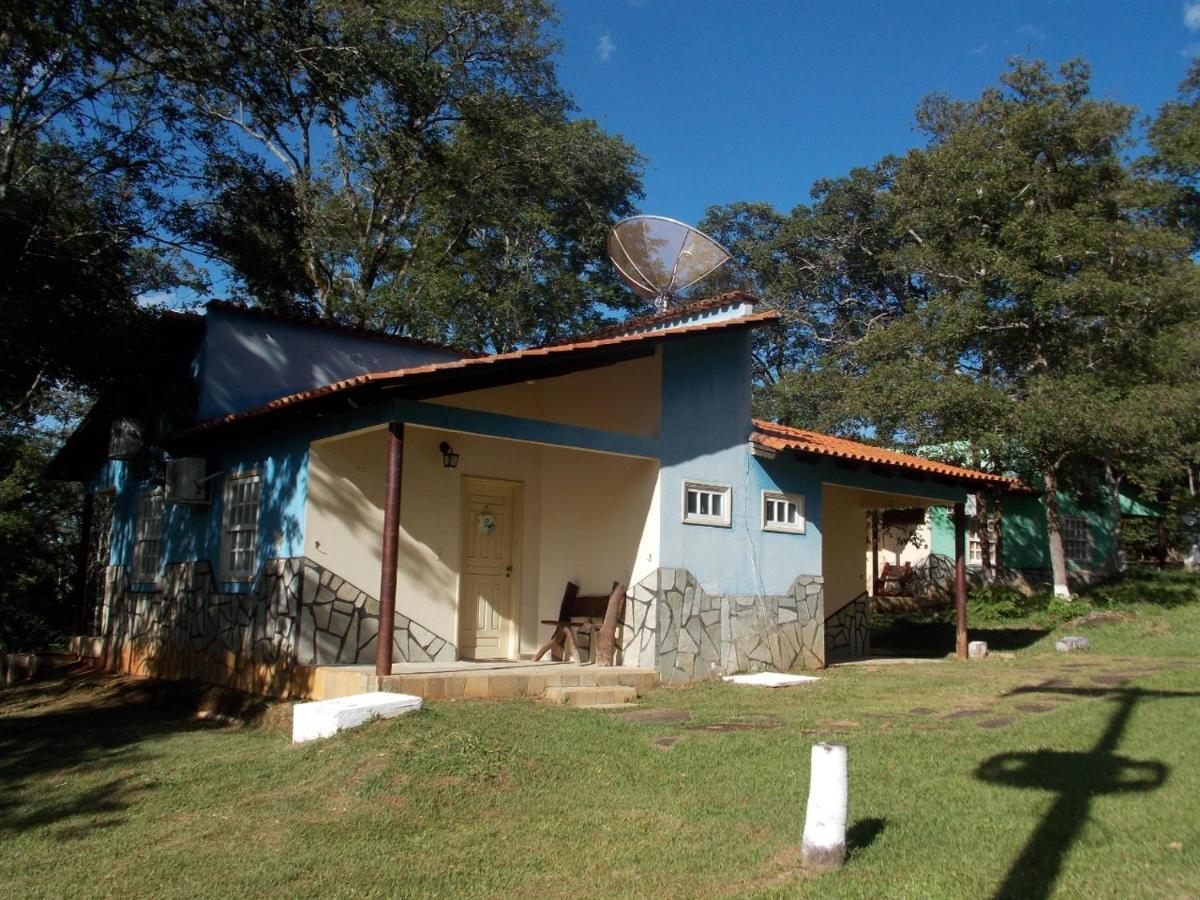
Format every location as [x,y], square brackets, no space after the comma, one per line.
[186,480]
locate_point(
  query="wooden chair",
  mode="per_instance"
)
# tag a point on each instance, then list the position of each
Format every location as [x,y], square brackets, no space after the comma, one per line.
[609,608]
[895,580]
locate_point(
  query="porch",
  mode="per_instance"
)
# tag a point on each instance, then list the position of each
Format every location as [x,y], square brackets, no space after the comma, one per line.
[474,680]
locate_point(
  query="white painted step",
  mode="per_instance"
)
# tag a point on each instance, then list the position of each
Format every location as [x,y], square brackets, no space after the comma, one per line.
[325,718]
[591,695]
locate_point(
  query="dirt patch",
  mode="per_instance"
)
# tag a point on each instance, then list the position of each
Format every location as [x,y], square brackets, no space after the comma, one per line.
[996,723]
[1034,707]
[920,711]
[783,867]
[965,713]
[764,722]
[666,743]
[656,715]
[1103,617]
[838,724]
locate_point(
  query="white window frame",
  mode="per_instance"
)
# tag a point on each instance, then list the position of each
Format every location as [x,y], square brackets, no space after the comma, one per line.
[229,528]
[143,538]
[1082,523]
[724,491]
[796,500]
[974,549]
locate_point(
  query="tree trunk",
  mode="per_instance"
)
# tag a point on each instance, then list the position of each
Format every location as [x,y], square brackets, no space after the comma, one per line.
[983,527]
[1116,559]
[823,845]
[1058,557]
[998,532]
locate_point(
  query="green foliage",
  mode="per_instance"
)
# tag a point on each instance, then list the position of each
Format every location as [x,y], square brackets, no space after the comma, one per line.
[403,164]
[38,535]
[999,605]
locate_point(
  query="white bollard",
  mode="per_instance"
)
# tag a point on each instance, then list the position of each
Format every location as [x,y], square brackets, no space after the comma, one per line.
[824,844]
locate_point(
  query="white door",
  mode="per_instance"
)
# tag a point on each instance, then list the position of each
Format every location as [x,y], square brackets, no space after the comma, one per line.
[485,610]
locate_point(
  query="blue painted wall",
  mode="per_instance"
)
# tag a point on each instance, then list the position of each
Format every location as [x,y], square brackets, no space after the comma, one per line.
[193,532]
[705,437]
[248,359]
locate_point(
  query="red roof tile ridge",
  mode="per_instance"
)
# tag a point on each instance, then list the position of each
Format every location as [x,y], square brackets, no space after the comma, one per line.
[729,298]
[830,445]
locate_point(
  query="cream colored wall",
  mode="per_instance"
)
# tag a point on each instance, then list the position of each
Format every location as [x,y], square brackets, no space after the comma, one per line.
[625,397]
[895,547]
[588,517]
[843,538]
[599,523]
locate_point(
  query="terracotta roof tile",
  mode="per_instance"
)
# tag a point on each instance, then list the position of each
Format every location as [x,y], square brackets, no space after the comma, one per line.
[730,298]
[396,375]
[783,438]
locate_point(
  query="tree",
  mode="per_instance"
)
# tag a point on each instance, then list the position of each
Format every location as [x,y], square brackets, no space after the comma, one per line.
[402,164]
[1046,278]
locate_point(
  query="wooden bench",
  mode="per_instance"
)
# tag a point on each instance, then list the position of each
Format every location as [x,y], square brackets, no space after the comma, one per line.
[575,606]
[894,582]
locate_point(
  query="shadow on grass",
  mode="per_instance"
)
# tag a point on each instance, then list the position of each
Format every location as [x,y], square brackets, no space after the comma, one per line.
[42,732]
[1074,778]
[936,639]
[862,834]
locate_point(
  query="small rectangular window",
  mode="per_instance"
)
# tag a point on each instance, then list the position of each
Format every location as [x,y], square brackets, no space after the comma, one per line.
[974,550]
[147,543]
[706,504]
[239,544]
[1077,539]
[783,512]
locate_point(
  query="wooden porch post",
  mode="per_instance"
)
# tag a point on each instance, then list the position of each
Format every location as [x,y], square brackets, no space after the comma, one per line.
[960,580]
[82,561]
[391,542]
[874,553]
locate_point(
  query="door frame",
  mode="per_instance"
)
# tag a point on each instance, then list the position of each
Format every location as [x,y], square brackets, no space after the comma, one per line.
[518,544]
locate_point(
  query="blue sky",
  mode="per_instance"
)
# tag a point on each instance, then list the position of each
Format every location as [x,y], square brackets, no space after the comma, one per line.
[755,100]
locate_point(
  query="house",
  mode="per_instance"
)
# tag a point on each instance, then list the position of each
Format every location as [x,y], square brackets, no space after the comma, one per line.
[309,476]
[1023,553]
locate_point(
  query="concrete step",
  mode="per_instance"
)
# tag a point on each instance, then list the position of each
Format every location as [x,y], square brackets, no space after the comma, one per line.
[598,695]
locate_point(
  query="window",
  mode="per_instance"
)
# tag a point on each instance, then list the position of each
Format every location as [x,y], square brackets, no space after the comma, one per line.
[974,549]
[1077,539]
[783,512]
[147,541]
[706,504]
[240,536]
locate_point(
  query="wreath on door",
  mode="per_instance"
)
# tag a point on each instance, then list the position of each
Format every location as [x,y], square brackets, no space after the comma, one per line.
[487,523]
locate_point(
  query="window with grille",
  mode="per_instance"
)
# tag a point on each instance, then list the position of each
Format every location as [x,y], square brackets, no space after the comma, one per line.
[1077,539]
[706,504]
[240,536]
[783,512]
[147,542]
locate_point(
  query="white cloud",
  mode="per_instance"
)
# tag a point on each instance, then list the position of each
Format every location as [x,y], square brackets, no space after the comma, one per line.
[605,47]
[1191,16]
[980,50]
[1032,31]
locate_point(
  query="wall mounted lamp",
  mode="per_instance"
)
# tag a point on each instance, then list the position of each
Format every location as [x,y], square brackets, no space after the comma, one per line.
[449,457]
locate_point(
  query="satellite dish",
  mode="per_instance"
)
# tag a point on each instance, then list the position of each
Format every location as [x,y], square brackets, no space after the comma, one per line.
[660,258]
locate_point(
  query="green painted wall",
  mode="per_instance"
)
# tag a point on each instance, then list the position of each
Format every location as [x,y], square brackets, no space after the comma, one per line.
[1026,545]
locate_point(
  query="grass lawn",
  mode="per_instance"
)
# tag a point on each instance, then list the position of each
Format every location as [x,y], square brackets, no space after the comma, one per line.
[1036,774]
